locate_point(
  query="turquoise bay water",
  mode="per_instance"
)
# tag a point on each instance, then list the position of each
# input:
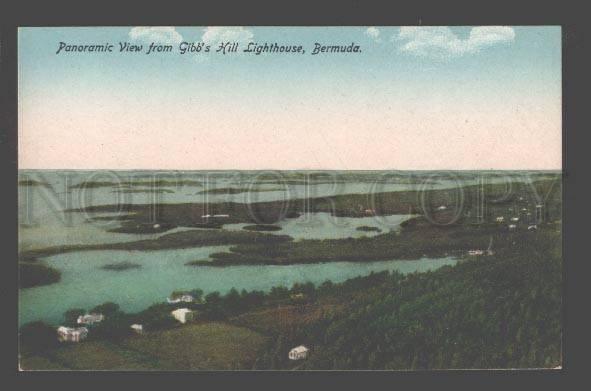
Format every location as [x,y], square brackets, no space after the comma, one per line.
[325,226]
[84,284]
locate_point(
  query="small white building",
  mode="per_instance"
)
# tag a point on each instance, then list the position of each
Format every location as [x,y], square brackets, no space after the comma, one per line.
[298,353]
[297,296]
[221,216]
[182,315]
[205,216]
[500,219]
[138,328]
[514,218]
[69,334]
[156,226]
[180,299]
[512,227]
[475,252]
[533,227]
[442,207]
[90,319]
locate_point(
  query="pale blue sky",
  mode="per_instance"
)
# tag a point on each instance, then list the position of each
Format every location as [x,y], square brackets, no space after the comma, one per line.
[449,76]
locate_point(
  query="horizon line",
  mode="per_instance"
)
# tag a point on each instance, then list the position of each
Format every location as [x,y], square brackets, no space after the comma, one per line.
[290,169]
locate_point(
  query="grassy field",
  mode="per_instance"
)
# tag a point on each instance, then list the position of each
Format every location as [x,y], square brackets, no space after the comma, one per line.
[280,319]
[201,346]
[206,346]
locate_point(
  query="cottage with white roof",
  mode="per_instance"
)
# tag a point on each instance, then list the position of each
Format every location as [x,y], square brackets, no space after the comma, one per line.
[185,298]
[298,353]
[69,334]
[183,315]
[90,319]
[138,328]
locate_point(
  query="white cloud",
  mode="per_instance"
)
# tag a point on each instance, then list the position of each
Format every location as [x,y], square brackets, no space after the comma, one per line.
[163,35]
[442,43]
[373,33]
[213,35]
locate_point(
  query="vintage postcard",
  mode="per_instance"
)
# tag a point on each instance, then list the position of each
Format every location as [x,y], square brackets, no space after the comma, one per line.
[290,198]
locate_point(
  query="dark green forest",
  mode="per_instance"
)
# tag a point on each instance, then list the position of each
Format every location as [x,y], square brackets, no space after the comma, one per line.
[488,312]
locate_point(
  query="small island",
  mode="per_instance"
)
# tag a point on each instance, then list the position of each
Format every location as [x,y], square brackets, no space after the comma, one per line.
[235,190]
[201,263]
[142,190]
[121,266]
[34,183]
[262,227]
[366,228]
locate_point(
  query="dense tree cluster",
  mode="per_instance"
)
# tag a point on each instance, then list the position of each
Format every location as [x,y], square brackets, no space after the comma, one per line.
[491,312]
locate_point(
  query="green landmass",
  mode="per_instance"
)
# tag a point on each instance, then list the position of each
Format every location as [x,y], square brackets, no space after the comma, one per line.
[348,205]
[129,226]
[434,233]
[234,190]
[36,274]
[157,183]
[147,190]
[184,239]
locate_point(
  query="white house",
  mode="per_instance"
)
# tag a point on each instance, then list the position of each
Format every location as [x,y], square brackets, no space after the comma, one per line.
[180,299]
[90,319]
[138,328]
[298,353]
[182,315]
[221,216]
[297,296]
[476,252]
[533,227]
[442,207]
[512,226]
[500,219]
[205,216]
[156,226]
[71,334]
[514,218]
